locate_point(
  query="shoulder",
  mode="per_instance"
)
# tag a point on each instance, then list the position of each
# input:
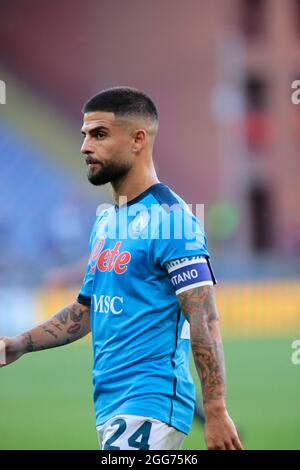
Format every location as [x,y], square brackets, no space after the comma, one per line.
[173,209]
[164,196]
[171,205]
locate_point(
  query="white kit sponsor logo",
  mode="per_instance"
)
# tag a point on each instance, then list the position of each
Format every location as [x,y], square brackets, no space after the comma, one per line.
[107,304]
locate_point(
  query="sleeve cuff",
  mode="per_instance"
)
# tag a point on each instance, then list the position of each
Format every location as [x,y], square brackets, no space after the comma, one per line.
[214,280]
[84,300]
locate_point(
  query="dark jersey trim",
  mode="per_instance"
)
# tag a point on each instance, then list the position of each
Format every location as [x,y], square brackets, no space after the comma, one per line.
[163,195]
[173,364]
[160,192]
[145,193]
[214,280]
[84,300]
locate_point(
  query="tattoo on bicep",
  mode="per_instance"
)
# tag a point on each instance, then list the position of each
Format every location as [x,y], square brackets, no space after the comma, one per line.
[75,316]
[72,312]
[73,329]
[199,299]
[63,316]
[71,317]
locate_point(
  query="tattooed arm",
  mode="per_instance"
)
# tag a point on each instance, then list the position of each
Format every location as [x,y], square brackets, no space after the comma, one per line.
[68,325]
[199,307]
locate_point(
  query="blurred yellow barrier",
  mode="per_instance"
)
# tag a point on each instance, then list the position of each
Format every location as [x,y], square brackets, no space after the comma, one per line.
[247,309]
[262,308]
[51,301]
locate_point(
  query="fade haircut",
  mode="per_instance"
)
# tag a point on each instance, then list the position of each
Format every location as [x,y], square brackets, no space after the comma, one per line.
[123,102]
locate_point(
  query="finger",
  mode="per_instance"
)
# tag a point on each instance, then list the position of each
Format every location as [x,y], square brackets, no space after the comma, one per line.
[229,445]
[237,443]
[212,447]
[219,446]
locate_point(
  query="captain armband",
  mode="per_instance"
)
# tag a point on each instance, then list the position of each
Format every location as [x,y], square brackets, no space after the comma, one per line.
[189,272]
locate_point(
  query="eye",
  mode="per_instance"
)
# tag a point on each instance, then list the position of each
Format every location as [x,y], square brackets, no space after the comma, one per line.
[100,135]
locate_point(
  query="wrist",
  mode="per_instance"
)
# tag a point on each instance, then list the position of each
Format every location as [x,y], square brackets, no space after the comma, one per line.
[215,408]
[21,344]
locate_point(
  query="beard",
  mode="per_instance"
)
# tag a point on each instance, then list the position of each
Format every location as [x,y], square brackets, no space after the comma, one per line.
[112,171]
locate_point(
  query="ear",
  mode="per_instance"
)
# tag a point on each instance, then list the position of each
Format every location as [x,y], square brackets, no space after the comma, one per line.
[139,140]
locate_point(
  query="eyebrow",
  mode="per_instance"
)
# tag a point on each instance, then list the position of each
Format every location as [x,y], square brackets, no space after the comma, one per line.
[94,130]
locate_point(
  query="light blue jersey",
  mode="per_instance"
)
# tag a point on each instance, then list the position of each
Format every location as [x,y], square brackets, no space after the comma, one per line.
[142,255]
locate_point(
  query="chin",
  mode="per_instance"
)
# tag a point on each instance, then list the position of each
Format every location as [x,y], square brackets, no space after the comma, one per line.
[97,183]
[96,180]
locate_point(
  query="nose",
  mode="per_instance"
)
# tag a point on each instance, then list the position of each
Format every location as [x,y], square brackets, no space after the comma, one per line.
[86,148]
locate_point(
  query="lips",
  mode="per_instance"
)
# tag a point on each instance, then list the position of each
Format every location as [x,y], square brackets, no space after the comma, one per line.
[90,161]
[91,165]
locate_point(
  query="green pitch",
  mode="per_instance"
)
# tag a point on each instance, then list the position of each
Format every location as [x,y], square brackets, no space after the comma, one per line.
[46,398]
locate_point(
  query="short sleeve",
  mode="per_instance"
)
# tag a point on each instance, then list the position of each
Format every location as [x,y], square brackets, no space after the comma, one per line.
[180,248]
[179,235]
[85,293]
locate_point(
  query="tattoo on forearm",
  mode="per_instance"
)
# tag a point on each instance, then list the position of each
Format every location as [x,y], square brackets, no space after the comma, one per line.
[199,307]
[61,329]
[29,343]
[47,330]
[57,325]
[209,359]
[73,329]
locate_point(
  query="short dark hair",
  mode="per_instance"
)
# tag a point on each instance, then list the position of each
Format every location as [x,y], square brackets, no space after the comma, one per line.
[122,101]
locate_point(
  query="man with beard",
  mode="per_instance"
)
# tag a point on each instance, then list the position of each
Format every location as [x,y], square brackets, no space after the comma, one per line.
[147,295]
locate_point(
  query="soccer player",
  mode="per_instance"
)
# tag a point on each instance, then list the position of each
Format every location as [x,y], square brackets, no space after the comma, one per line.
[147,295]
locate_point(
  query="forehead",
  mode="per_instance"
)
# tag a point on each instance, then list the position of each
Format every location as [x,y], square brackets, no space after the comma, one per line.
[97,119]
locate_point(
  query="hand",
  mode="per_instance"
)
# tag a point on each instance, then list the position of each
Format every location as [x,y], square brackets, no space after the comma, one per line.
[11,349]
[221,434]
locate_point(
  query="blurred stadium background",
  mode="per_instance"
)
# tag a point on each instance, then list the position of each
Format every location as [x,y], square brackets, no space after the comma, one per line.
[221,73]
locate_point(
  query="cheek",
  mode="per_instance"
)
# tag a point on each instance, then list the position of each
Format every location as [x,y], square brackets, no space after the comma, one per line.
[122,150]
[104,149]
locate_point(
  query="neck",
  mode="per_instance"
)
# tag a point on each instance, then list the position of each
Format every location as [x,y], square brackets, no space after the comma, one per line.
[135,182]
